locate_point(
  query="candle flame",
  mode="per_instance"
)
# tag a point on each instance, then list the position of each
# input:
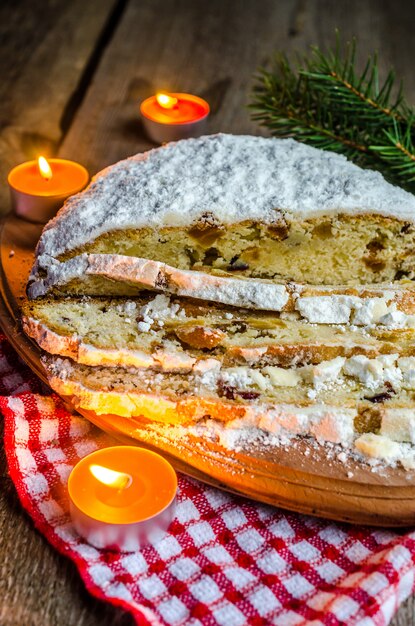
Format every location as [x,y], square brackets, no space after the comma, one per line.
[110,477]
[44,168]
[166,101]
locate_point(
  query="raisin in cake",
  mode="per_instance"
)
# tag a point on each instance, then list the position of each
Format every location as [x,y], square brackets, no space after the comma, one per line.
[286,300]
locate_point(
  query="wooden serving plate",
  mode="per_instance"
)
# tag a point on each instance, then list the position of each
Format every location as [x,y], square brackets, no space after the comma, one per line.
[299,478]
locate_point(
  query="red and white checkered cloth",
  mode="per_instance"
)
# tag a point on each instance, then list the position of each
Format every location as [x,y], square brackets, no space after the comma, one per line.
[225,560]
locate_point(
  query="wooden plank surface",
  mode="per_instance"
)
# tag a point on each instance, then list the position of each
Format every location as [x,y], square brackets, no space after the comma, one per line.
[46,54]
[212,48]
[208,47]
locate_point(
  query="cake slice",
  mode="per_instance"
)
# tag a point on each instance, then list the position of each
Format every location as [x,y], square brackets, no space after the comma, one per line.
[176,334]
[259,208]
[102,274]
[336,401]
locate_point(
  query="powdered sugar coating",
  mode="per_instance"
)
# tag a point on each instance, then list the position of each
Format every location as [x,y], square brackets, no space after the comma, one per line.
[232,177]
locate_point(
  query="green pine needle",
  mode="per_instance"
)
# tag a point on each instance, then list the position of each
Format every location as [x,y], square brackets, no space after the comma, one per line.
[323,101]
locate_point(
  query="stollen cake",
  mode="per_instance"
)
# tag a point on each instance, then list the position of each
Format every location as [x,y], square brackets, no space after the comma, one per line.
[285,302]
[177,335]
[335,401]
[208,203]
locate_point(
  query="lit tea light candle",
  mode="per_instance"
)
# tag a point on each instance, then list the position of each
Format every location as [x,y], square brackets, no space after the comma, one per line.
[122,497]
[174,116]
[39,188]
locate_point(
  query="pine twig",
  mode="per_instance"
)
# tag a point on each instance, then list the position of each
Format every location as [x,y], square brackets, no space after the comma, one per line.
[398,151]
[323,101]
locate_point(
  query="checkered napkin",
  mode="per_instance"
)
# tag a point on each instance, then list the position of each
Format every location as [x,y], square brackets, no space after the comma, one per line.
[225,560]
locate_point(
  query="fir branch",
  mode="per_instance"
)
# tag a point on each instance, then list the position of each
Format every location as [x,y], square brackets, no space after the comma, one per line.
[398,151]
[360,95]
[300,113]
[322,100]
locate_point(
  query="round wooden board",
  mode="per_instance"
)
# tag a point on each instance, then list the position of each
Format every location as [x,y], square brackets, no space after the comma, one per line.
[301,477]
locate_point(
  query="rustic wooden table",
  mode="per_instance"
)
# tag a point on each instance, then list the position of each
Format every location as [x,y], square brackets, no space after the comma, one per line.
[72,75]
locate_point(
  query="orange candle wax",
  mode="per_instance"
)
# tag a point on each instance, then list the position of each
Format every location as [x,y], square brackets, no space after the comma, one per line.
[39,188]
[121,497]
[173,116]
